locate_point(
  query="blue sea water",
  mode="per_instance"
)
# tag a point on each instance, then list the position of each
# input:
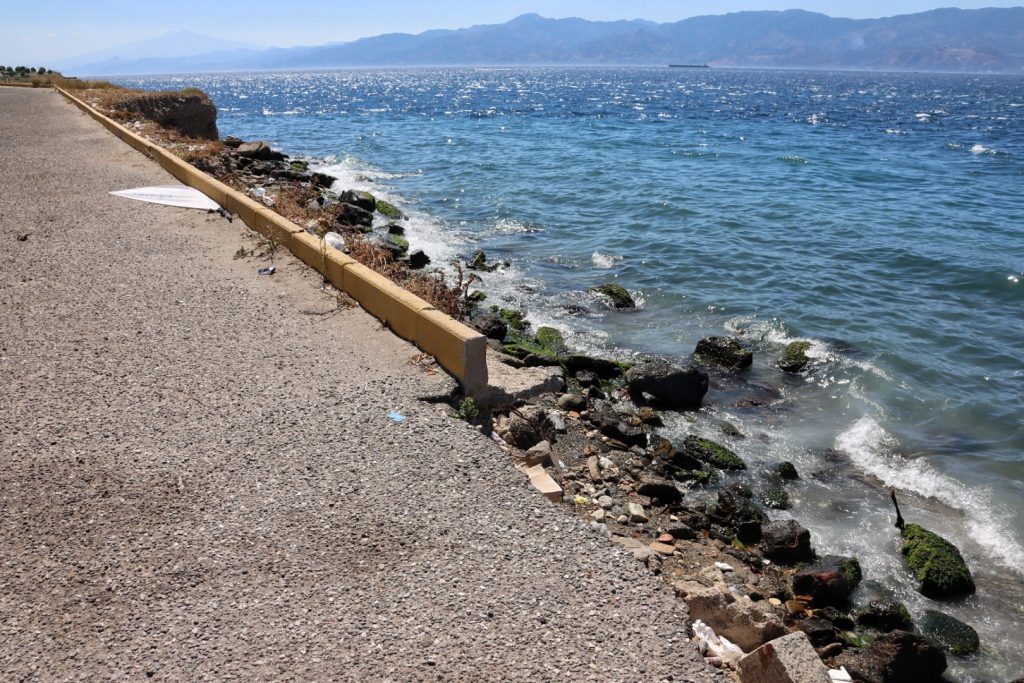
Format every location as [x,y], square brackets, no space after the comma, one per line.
[879,216]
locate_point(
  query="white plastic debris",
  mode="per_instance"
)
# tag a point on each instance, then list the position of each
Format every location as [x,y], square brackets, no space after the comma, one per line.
[840,675]
[335,241]
[712,645]
[724,567]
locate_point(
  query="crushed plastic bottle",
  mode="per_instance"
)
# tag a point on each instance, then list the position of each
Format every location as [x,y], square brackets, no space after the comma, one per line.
[715,646]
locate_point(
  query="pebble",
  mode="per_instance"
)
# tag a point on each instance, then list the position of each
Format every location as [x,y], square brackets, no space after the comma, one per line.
[606,502]
[636,513]
[724,567]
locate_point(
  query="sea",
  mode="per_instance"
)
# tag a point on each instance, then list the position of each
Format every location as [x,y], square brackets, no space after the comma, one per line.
[879,216]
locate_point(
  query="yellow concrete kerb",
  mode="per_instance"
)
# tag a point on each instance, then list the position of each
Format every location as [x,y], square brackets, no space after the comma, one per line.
[459,349]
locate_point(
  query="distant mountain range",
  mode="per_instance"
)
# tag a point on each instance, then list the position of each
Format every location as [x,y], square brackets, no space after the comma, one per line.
[983,40]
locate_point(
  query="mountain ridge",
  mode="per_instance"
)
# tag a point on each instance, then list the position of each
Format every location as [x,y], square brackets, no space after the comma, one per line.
[948,39]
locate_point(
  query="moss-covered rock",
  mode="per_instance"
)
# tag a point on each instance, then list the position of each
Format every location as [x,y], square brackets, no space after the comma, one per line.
[400,241]
[712,453]
[551,339]
[617,295]
[794,358]
[885,615]
[937,565]
[777,499]
[725,352]
[299,166]
[388,210]
[516,320]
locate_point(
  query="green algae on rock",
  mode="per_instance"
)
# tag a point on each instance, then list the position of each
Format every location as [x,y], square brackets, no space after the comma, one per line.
[937,565]
[617,295]
[388,210]
[950,633]
[713,453]
[794,358]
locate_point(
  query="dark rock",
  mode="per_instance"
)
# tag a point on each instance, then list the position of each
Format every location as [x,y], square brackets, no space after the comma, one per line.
[616,295]
[479,262]
[490,325]
[352,215]
[729,429]
[787,471]
[840,620]
[937,565]
[323,180]
[794,358]
[786,542]
[648,416]
[260,151]
[829,581]
[290,174]
[395,229]
[777,499]
[656,488]
[377,241]
[682,532]
[740,513]
[418,260]
[724,351]
[950,633]
[364,200]
[263,168]
[572,402]
[602,367]
[527,427]
[897,657]
[885,615]
[232,142]
[671,385]
[586,378]
[611,425]
[192,114]
[819,631]
[712,453]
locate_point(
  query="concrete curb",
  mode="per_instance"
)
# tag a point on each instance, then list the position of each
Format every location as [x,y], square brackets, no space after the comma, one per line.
[459,349]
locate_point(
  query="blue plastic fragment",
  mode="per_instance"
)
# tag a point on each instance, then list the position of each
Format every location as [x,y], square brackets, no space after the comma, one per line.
[397,417]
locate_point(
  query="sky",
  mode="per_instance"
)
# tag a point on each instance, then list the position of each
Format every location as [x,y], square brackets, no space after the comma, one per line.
[34,33]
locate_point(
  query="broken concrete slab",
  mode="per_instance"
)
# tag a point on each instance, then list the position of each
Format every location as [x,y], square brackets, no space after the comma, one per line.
[543,482]
[506,384]
[789,659]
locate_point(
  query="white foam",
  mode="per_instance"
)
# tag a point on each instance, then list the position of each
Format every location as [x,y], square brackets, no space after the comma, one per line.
[604,261]
[869,446]
[981,149]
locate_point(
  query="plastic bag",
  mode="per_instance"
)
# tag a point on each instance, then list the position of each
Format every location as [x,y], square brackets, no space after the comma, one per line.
[713,645]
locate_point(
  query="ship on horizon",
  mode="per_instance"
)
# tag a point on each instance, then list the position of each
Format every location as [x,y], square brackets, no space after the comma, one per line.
[689,66]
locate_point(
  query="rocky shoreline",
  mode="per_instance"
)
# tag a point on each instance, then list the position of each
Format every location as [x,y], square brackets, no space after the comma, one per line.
[589,431]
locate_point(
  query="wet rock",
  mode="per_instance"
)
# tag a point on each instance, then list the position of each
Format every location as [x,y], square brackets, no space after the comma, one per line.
[786,542]
[551,340]
[840,620]
[789,659]
[418,260]
[819,631]
[616,295]
[950,633]
[388,210]
[352,215]
[586,378]
[725,352]
[572,403]
[377,241]
[648,416]
[787,471]
[936,563]
[777,499]
[323,180]
[364,200]
[794,357]
[885,615]
[490,325]
[745,622]
[897,657]
[829,581]
[232,142]
[662,490]
[740,513]
[479,262]
[259,150]
[602,367]
[672,385]
[714,454]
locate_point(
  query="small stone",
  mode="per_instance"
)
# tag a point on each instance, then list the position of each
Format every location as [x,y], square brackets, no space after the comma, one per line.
[722,566]
[636,513]
[598,515]
[606,502]
[539,454]
[666,538]
[775,602]
[572,402]
[557,421]
[663,548]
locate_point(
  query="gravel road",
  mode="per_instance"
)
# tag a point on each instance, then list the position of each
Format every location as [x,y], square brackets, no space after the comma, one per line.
[198,479]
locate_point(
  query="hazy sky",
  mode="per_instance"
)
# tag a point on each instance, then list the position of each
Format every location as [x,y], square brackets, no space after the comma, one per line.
[34,33]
